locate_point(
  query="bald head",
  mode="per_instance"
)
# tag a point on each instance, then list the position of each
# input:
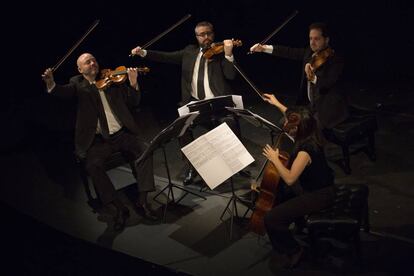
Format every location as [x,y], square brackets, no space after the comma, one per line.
[88,66]
[83,57]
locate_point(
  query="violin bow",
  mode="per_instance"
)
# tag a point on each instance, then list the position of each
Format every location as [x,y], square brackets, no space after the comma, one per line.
[94,24]
[149,43]
[276,30]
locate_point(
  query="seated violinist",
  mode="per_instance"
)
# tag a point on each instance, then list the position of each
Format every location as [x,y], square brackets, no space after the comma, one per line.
[105,125]
[200,79]
[308,165]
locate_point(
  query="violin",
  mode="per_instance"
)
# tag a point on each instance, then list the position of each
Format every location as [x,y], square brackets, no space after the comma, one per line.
[319,58]
[217,48]
[119,75]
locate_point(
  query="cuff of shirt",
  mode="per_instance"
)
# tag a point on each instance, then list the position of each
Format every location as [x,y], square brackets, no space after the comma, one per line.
[314,80]
[229,58]
[268,49]
[49,89]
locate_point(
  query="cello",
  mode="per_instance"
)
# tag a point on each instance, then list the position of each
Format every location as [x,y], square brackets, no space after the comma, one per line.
[267,191]
[269,187]
[271,177]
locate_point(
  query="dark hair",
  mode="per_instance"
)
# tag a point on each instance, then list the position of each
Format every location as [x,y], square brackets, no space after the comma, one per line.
[307,126]
[320,26]
[204,24]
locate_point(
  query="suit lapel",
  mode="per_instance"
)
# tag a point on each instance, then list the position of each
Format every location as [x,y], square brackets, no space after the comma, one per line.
[92,93]
[113,98]
[193,59]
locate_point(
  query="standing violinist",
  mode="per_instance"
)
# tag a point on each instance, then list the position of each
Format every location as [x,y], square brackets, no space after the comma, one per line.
[322,70]
[308,165]
[105,125]
[200,78]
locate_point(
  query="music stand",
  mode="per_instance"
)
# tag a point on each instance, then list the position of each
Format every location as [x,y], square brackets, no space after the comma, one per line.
[233,210]
[257,121]
[212,155]
[174,130]
[212,109]
[212,104]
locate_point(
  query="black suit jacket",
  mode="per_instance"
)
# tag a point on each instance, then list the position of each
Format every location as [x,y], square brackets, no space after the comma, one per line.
[329,102]
[121,98]
[220,70]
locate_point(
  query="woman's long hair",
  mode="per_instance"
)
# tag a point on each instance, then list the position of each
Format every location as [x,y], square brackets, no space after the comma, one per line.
[302,125]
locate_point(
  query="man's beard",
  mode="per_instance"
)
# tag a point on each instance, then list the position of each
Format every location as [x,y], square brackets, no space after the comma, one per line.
[206,44]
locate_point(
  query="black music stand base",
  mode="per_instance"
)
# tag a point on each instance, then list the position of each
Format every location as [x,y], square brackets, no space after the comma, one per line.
[233,209]
[169,187]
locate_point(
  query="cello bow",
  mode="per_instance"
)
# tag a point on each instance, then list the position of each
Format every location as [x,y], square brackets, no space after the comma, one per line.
[248,80]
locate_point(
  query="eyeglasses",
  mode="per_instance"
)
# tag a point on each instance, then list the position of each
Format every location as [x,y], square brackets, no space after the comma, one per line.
[205,34]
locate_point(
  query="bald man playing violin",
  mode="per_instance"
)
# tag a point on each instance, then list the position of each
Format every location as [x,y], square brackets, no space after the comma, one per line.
[105,125]
[320,86]
[200,78]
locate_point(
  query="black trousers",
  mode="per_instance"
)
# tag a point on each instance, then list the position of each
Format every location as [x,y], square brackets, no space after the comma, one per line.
[132,148]
[277,220]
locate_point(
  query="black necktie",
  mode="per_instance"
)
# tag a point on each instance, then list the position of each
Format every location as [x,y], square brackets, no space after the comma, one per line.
[103,122]
[200,81]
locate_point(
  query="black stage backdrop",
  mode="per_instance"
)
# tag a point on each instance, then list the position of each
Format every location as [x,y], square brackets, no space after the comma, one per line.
[374,38]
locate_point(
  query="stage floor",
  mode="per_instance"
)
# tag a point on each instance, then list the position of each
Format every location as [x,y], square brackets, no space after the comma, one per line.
[43,182]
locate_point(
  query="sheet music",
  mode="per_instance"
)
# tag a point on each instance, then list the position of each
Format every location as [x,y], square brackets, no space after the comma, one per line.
[237,100]
[217,155]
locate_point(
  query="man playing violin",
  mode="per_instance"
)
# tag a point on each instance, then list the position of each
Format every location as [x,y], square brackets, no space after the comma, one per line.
[105,125]
[320,84]
[200,79]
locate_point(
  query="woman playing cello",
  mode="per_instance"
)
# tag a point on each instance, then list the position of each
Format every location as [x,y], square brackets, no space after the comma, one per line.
[308,165]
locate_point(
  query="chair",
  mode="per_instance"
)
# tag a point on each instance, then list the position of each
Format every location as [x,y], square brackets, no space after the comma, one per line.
[343,220]
[115,160]
[360,126]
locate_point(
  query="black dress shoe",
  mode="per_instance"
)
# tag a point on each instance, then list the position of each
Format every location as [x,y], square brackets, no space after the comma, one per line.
[189,176]
[146,211]
[120,219]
